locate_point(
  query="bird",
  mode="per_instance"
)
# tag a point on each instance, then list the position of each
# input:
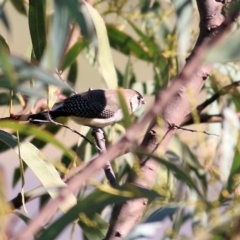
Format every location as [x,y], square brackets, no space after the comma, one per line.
[96,108]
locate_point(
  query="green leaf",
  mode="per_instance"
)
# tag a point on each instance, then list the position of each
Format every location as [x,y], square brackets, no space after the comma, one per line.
[6,67]
[146,40]
[26,71]
[104,55]
[72,74]
[4,46]
[232,183]
[23,217]
[193,163]
[228,143]
[4,18]
[36,21]
[91,204]
[61,20]
[37,132]
[147,88]
[16,176]
[226,50]
[126,44]
[161,72]
[80,13]
[58,36]
[94,227]
[72,53]
[53,129]
[127,118]
[162,213]
[180,173]
[5,98]
[41,167]
[184,11]
[128,74]
[19,6]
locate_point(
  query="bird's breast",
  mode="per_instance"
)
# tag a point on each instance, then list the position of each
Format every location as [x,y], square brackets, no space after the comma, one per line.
[98,122]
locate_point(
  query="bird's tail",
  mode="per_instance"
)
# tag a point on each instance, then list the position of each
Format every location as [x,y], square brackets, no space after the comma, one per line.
[40,117]
[43,117]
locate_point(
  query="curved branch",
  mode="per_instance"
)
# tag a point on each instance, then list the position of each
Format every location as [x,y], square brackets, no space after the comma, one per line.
[189,120]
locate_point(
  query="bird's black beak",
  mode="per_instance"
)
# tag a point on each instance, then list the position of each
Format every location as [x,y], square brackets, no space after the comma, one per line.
[142,101]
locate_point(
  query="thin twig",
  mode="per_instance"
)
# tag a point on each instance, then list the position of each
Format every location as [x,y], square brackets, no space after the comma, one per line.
[172,126]
[189,120]
[98,134]
[215,96]
[59,75]
[65,126]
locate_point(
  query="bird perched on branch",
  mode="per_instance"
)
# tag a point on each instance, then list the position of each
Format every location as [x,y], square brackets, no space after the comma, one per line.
[94,108]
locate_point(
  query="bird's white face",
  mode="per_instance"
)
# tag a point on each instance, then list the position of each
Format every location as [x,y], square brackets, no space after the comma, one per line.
[136,101]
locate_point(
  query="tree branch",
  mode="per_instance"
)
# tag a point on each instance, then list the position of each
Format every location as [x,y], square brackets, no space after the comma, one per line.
[189,120]
[98,134]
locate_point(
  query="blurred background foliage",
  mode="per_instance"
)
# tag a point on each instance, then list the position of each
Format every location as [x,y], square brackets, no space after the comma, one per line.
[196,192]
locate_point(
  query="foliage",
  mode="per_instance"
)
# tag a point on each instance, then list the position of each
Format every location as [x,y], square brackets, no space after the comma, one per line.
[198,180]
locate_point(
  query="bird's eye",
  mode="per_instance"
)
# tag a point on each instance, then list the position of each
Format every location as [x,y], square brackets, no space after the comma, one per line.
[139,97]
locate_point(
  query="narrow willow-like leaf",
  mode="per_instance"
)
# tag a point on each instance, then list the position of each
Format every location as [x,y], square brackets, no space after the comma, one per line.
[104,55]
[4,18]
[19,6]
[4,46]
[226,50]
[57,37]
[41,134]
[41,166]
[95,231]
[127,118]
[72,74]
[9,78]
[4,96]
[126,44]
[37,26]
[80,14]
[180,173]
[161,213]
[147,41]
[23,217]
[228,143]
[233,179]
[161,72]
[184,11]
[147,88]
[40,143]
[128,74]
[26,71]
[91,204]
[72,53]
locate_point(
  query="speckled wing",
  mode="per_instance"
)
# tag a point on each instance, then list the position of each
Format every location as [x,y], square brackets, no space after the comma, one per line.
[91,104]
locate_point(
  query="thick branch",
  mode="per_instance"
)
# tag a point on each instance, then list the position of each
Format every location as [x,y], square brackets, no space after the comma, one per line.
[189,120]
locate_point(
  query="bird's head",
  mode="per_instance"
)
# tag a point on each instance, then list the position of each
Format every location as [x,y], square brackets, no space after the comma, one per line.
[135,100]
